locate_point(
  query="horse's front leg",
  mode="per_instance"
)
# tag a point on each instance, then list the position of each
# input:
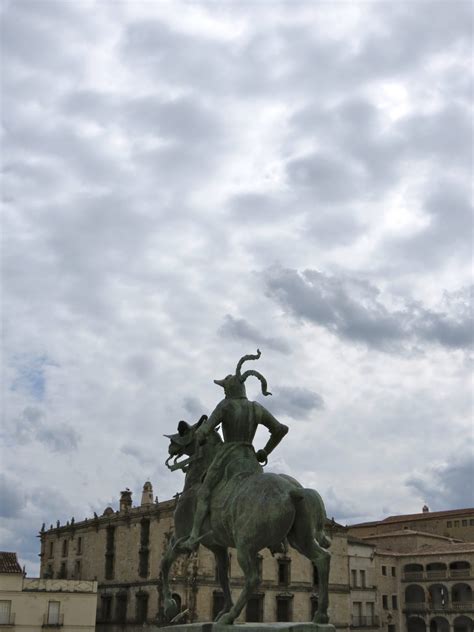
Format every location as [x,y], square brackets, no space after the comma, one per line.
[170,605]
[249,564]
[222,561]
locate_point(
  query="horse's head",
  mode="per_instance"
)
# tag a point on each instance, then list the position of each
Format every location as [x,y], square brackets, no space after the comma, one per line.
[184,442]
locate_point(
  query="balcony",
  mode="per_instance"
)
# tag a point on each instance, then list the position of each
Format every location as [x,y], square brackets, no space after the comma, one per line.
[420,576]
[8,618]
[420,606]
[467,605]
[56,621]
[364,622]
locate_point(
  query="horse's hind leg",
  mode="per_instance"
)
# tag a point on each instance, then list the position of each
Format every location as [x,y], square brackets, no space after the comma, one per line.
[222,561]
[249,563]
[171,553]
[302,538]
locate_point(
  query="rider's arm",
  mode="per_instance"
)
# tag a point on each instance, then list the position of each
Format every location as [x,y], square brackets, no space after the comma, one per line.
[277,430]
[214,420]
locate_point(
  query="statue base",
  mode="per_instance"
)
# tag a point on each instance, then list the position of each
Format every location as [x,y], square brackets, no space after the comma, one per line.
[251,627]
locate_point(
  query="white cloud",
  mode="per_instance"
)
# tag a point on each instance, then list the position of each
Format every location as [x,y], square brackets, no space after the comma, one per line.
[159,159]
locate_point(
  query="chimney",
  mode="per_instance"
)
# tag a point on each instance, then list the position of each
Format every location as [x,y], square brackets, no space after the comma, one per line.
[426,509]
[147,494]
[125,500]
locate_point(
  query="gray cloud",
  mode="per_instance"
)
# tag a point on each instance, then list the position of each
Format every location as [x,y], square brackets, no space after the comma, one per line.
[241,329]
[297,402]
[12,497]
[352,309]
[194,407]
[32,426]
[447,484]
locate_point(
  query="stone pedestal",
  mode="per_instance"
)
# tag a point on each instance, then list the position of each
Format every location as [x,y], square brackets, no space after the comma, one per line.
[250,627]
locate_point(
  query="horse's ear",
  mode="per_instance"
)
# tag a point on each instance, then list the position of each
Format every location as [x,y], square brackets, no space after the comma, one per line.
[201,421]
[183,428]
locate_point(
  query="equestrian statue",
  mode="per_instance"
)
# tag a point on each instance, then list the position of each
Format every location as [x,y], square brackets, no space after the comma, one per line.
[225,483]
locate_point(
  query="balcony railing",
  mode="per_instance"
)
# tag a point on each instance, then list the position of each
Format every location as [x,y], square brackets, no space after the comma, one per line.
[53,621]
[463,605]
[441,574]
[419,606]
[460,572]
[413,575]
[455,573]
[8,618]
[365,622]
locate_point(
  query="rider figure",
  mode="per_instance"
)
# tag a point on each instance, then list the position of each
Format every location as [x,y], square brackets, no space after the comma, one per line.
[239,418]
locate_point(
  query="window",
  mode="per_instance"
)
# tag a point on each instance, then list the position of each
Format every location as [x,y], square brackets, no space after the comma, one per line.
[394,602]
[65,548]
[217,603]
[384,570]
[53,613]
[77,569]
[363,579]
[254,609]
[357,613]
[283,572]
[353,578]
[109,553]
[106,607]
[62,571]
[391,627]
[142,607]
[121,608]
[385,602]
[283,607]
[51,549]
[464,523]
[456,523]
[394,571]
[449,523]
[5,612]
[143,562]
[471,522]
[79,546]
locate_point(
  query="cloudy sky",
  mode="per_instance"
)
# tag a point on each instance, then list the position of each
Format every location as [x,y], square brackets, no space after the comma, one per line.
[186,182]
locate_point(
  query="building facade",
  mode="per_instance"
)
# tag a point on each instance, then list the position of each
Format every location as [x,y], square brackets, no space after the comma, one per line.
[368,588]
[35,604]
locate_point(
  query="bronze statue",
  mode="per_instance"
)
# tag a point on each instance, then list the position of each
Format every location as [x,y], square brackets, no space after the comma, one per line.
[225,482]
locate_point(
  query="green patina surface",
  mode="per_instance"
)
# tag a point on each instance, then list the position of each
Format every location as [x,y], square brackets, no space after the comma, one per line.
[224,483]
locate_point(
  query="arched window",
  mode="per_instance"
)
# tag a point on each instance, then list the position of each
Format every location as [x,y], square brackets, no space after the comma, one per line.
[436,570]
[413,571]
[414,596]
[463,624]
[438,596]
[461,594]
[439,624]
[459,569]
[415,624]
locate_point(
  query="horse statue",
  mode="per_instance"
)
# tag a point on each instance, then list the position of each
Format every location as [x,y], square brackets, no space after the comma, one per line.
[248,510]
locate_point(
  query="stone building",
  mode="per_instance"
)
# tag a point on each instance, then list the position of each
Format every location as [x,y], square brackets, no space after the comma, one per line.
[34,604]
[425,581]
[369,583]
[122,551]
[456,523]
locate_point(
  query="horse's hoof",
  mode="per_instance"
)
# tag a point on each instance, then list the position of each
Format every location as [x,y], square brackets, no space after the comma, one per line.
[321,618]
[226,619]
[171,609]
[224,611]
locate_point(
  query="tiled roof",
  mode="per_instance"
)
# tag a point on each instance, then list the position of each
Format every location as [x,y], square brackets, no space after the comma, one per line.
[417,516]
[9,563]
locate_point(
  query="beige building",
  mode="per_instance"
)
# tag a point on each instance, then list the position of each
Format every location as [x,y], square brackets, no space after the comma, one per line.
[425,581]
[36,604]
[122,550]
[456,523]
[369,580]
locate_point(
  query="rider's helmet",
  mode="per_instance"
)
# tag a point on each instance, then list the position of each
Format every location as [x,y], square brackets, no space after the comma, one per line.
[234,386]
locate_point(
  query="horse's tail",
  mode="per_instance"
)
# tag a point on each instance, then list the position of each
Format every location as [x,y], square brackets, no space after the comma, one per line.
[317,511]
